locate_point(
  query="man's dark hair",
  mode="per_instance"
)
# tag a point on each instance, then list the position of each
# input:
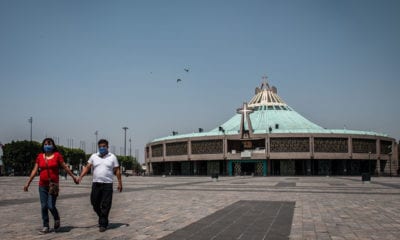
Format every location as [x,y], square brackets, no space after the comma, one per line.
[102,141]
[52,143]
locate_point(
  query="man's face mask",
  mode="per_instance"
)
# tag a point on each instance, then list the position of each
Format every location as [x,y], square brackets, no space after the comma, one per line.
[103,150]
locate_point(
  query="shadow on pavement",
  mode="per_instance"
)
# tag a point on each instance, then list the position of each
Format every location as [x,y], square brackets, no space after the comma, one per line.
[65,229]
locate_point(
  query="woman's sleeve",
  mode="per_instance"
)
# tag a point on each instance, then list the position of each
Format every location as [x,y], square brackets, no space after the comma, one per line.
[38,159]
[60,159]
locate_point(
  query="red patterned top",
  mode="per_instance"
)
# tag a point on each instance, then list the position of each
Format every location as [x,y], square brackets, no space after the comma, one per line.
[53,164]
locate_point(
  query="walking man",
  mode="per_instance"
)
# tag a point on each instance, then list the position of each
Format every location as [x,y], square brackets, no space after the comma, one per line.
[104,165]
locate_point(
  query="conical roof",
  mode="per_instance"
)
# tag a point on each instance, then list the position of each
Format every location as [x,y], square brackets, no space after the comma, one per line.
[268,113]
[271,114]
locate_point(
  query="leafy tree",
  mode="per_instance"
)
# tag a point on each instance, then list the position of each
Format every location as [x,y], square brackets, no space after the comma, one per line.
[19,157]
[129,163]
[73,157]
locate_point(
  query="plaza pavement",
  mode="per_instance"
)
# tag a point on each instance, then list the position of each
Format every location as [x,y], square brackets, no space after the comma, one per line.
[200,208]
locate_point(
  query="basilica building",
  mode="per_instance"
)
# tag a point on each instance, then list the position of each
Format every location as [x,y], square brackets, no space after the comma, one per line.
[267,137]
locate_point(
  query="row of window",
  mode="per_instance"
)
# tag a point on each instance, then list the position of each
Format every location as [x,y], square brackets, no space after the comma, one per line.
[328,145]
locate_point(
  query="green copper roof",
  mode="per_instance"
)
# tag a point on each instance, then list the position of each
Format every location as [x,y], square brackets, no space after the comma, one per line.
[278,118]
[268,113]
[282,121]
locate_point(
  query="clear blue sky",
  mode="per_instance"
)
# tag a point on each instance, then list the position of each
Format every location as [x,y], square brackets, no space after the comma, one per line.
[81,66]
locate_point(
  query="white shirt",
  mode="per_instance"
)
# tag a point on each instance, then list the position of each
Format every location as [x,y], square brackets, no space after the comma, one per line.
[103,167]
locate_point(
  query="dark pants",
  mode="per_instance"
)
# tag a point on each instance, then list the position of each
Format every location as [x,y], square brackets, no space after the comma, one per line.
[47,202]
[101,199]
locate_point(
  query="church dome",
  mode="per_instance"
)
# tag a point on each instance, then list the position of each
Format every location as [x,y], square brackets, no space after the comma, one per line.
[269,113]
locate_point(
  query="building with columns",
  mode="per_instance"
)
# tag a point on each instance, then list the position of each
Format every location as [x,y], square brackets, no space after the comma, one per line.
[267,137]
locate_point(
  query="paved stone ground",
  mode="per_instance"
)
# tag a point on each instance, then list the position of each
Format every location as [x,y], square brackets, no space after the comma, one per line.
[157,207]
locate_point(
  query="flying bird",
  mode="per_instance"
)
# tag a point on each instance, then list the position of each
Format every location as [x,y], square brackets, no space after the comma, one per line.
[186,69]
[178,80]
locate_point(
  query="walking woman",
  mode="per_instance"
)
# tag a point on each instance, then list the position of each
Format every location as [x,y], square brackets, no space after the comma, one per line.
[48,162]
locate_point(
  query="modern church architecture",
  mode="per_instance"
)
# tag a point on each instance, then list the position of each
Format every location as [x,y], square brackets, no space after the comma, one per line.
[267,137]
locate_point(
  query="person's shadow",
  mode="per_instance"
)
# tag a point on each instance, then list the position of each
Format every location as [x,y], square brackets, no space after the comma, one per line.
[64,229]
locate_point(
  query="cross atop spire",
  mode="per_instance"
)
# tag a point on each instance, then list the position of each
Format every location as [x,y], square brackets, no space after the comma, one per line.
[264,84]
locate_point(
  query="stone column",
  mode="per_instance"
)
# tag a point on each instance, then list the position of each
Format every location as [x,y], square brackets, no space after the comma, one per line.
[378,158]
[267,151]
[350,152]
[149,167]
[164,154]
[189,150]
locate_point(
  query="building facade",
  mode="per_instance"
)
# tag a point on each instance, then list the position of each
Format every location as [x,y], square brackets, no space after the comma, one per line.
[267,137]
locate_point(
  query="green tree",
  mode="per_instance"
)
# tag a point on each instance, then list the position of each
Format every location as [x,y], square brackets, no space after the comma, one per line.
[20,156]
[129,163]
[73,157]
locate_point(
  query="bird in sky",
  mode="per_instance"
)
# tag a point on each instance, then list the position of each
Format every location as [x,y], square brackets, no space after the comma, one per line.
[178,80]
[186,69]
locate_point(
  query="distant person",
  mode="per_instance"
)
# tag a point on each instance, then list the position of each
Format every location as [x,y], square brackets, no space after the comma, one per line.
[49,162]
[104,165]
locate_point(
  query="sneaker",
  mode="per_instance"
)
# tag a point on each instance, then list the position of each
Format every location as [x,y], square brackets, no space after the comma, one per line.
[44,230]
[102,229]
[57,224]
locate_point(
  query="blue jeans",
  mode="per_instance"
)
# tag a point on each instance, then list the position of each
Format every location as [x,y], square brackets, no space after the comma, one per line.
[47,202]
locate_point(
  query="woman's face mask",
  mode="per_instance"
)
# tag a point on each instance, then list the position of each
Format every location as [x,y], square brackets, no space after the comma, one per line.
[48,148]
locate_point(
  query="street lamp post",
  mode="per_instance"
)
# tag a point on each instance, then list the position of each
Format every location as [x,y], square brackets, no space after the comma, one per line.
[130,147]
[30,120]
[96,133]
[221,129]
[125,128]
[390,160]
[390,164]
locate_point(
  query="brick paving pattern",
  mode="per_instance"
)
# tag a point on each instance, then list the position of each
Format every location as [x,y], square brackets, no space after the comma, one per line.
[156,207]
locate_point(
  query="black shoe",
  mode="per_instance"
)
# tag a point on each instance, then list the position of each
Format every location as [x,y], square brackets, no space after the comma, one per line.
[57,224]
[102,229]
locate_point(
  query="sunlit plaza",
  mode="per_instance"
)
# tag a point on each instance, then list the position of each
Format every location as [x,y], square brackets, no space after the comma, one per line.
[205,208]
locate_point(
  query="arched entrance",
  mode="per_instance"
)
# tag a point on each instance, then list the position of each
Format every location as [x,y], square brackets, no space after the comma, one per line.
[247,167]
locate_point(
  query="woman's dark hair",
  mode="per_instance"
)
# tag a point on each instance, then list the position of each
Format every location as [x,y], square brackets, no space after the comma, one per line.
[102,141]
[52,143]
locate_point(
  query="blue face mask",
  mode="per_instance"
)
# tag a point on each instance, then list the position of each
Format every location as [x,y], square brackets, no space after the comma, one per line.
[48,148]
[103,150]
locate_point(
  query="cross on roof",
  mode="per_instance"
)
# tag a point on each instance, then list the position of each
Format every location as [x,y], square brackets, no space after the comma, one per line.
[264,84]
[245,110]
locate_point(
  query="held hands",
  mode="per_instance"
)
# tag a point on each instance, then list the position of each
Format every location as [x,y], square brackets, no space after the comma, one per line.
[79,179]
[76,180]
